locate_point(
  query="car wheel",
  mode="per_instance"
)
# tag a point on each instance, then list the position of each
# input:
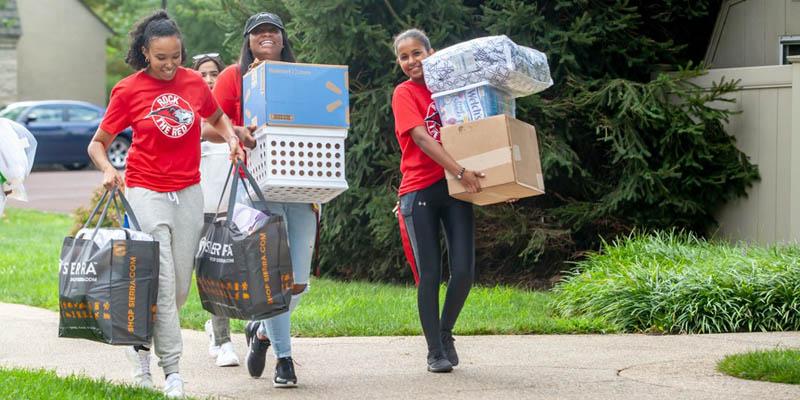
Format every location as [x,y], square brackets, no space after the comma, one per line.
[118,152]
[75,166]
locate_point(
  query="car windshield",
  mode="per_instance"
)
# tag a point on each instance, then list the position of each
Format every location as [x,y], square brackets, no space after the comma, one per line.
[12,111]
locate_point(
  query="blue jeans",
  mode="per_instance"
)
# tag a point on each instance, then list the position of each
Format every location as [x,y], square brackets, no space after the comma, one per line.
[301,222]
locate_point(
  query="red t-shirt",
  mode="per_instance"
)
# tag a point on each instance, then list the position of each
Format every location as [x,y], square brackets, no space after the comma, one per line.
[412,106]
[228,93]
[165,117]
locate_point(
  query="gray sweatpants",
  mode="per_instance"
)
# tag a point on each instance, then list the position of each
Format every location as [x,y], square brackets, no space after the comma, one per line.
[175,220]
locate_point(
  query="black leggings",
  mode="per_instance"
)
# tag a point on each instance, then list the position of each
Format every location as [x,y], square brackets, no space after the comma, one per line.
[423,212]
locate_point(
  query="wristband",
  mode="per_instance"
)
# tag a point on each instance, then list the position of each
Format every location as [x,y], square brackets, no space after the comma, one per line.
[461,173]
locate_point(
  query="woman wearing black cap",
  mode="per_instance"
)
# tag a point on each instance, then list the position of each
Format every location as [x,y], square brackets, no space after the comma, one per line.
[265,40]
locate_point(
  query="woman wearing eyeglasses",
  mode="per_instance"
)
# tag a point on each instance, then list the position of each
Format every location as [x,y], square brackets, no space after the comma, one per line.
[265,40]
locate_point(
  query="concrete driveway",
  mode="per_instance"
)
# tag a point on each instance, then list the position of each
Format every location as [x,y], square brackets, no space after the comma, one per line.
[558,367]
[59,191]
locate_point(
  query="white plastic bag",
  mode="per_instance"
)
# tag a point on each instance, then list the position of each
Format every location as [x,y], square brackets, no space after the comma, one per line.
[247,219]
[17,152]
[105,235]
[214,165]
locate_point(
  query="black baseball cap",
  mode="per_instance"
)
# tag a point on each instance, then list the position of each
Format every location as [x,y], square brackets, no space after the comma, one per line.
[262,18]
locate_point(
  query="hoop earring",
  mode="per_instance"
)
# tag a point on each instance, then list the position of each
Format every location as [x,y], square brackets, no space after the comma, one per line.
[147,60]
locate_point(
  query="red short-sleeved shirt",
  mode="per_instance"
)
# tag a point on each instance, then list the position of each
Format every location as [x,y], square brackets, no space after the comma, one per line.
[165,117]
[228,93]
[412,106]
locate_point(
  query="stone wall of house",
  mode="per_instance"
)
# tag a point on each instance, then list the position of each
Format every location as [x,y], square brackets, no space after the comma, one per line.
[8,72]
[61,54]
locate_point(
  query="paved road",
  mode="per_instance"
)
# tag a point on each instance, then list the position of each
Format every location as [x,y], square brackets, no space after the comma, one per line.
[492,367]
[59,191]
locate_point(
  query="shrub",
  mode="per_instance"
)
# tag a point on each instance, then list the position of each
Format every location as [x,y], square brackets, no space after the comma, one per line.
[618,151]
[679,283]
[81,214]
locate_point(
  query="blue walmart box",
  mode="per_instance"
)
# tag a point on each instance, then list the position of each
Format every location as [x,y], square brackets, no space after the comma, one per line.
[291,94]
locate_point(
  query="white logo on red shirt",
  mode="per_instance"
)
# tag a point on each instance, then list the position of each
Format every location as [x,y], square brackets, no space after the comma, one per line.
[432,121]
[172,115]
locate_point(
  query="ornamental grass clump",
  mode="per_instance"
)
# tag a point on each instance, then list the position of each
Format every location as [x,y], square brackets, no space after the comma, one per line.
[679,283]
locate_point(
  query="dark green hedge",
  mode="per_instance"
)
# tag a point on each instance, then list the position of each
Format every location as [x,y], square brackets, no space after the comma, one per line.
[622,145]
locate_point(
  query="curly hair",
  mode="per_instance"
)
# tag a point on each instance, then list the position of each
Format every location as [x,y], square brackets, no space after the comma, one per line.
[156,25]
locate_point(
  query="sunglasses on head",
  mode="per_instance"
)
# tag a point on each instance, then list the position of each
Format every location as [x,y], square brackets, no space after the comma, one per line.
[209,55]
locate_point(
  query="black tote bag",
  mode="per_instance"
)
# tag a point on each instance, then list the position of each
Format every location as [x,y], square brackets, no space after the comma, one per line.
[244,275]
[108,293]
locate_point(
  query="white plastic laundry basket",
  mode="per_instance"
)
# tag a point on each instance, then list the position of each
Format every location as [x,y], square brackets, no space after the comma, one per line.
[300,165]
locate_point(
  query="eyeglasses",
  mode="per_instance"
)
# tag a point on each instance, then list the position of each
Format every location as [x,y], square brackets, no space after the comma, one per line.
[208,55]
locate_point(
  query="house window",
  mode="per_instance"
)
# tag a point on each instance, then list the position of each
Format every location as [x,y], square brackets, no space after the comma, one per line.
[790,46]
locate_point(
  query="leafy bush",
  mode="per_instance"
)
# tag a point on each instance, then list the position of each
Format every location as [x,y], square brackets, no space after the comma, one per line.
[679,283]
[81,214]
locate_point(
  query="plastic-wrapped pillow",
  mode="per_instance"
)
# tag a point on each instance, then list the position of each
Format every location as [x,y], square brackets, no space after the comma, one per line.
[518,70]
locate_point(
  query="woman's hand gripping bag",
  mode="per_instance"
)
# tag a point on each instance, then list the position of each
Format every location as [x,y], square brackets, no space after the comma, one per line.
[108,281]
[244,270]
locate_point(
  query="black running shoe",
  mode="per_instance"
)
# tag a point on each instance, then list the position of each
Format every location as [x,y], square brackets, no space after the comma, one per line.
[257,349]
[284,374]
[438,363]
[449,348]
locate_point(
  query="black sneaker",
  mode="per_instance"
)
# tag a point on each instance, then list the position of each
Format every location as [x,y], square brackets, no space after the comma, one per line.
[284,374]
[439,363]
[257,349]
[449,348]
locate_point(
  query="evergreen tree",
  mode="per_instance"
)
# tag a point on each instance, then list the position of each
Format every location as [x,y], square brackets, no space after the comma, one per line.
[623,145]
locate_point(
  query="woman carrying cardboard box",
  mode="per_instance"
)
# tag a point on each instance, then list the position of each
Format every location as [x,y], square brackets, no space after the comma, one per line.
[265,39]
[425,204]
[164,104]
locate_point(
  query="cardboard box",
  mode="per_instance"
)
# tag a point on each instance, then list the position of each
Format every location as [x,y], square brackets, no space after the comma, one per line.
[503,148]
[473,102]
[292,94]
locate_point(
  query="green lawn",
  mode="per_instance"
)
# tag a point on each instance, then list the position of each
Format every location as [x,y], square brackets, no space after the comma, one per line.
[46,385]
[30,243]
[780,366]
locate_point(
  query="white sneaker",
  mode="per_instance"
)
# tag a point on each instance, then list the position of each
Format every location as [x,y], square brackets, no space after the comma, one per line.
[227,356]
[213,349]
[140,360]
[173,387]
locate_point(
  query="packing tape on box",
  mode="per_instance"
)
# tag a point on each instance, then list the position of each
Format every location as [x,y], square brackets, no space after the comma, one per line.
[487,160]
